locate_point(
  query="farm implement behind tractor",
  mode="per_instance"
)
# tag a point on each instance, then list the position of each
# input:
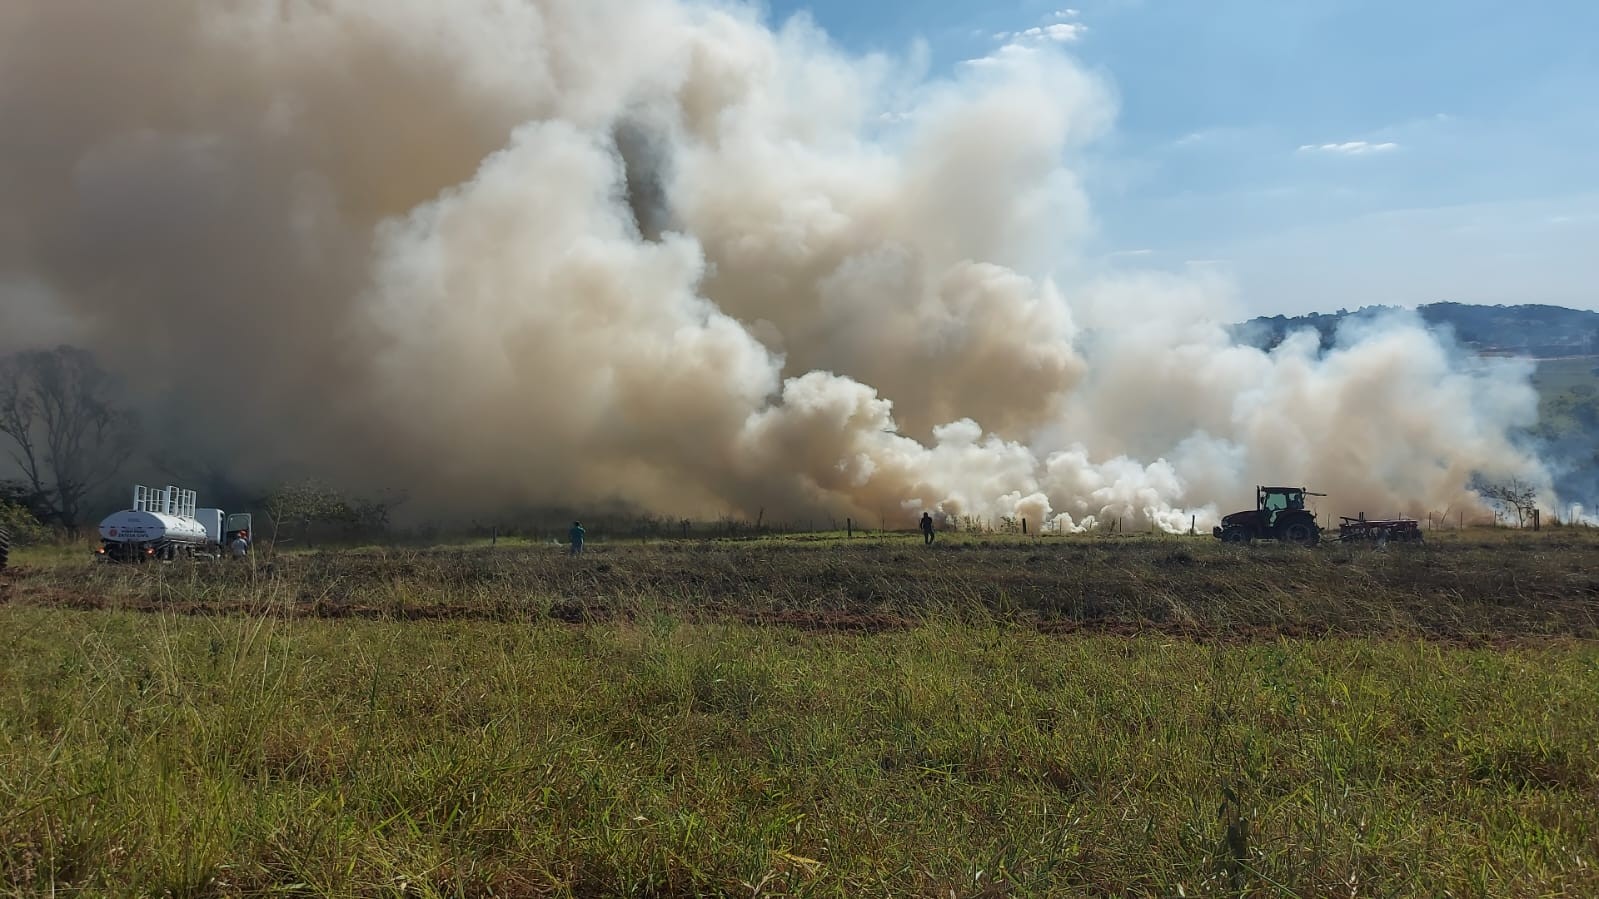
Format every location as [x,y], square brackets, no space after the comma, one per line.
[1379,530]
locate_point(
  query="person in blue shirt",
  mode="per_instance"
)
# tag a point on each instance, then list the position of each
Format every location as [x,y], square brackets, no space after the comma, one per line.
[576,536]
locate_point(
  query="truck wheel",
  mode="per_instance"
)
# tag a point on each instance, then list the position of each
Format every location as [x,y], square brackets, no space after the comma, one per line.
[1300,533]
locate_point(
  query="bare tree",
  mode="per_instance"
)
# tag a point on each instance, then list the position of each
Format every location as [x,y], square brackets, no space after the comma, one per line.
[1513,496]
[68,436]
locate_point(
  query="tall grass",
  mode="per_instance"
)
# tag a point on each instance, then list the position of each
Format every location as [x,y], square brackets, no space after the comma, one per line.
[157,754]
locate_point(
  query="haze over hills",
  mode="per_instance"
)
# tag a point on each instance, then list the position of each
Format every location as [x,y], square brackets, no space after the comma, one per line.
[1542,332]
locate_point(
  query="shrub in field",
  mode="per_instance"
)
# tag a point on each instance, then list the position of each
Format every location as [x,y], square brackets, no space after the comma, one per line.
[23,527]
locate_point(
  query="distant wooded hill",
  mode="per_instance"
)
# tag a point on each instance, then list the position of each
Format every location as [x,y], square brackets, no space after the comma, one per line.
[1531,330]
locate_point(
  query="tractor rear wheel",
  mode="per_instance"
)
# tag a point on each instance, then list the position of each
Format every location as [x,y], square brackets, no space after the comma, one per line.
[1300,533]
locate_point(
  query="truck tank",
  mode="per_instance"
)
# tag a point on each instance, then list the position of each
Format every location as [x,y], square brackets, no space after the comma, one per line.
[161,524]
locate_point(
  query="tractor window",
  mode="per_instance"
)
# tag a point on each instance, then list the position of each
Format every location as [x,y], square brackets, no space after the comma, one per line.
[1276,502]
[1296,500]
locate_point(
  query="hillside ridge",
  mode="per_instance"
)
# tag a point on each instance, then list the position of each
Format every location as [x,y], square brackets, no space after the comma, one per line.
[1529,329]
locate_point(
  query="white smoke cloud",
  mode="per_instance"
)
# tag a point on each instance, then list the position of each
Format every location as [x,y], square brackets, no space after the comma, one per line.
[572,251]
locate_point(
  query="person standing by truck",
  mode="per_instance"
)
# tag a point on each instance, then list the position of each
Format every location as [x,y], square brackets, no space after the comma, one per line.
[575,535]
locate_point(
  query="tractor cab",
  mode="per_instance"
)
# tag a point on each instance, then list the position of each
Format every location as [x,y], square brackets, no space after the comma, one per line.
[1271,501]
[1279,514]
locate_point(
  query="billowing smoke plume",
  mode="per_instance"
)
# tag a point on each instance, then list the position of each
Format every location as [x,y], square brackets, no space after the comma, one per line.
[572,251]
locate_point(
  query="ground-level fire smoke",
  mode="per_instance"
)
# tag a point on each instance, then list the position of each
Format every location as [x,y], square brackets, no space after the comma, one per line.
[576,251]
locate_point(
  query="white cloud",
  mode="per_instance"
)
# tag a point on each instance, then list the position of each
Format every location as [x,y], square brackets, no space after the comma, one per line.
[1021,44]
[1059,32]
[1350,148]
[1010,54]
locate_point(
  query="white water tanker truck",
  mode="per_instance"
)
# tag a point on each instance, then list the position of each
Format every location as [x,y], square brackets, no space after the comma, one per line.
[164,524]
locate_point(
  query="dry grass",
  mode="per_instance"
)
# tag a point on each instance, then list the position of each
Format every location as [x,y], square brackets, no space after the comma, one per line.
[1477,586]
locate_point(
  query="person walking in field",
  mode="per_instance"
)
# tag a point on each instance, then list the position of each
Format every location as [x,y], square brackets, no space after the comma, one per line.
[927,529]
[575,535]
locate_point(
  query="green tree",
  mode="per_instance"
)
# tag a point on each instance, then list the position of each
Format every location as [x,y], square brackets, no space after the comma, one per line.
[307,503]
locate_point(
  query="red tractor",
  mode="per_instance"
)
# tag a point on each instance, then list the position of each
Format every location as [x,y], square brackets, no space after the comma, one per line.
[1279,514]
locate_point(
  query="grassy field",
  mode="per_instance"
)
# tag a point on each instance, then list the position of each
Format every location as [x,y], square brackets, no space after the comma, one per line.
[1555,376]
[989,717]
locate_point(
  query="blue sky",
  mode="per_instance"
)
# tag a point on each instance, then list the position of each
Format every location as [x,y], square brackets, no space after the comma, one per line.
[1319,153]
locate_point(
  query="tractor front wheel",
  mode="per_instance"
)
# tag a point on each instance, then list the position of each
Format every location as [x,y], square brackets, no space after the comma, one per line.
[1234,535]
[1300,533]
